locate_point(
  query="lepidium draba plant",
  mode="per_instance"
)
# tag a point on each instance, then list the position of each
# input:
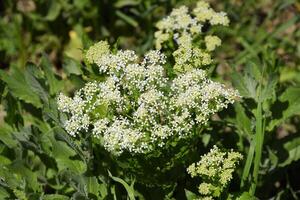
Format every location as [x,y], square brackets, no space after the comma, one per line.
[135,108]
[215,169]
[182,33]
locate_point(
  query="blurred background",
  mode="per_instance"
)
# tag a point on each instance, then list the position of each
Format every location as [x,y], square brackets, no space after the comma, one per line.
[59,28]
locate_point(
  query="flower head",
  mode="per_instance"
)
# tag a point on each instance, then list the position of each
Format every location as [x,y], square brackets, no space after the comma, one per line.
[138,108]
[216,169]
[185,29]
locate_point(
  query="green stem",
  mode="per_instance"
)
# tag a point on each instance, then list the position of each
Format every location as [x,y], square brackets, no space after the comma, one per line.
[259,140]
[248,164]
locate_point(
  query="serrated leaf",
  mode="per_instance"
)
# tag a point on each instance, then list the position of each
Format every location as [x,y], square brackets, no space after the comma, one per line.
[246,85]
[20,88]
[269,90]
[34,84]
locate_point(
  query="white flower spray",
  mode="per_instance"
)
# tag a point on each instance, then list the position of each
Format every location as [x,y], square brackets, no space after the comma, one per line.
[138,108]
[216,169]
[194,47]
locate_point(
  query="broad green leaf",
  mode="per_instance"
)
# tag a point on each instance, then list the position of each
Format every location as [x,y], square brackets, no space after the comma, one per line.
[34,84]
[246,85]
[6,136]
[92,185]
[71,66]
[62,153]
[76,166]
[292,96]
[20,88]
[293,149]
[4,160]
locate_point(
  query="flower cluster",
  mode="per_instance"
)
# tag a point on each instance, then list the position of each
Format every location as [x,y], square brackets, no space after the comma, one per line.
[216,169]
[185,29]
[137,108]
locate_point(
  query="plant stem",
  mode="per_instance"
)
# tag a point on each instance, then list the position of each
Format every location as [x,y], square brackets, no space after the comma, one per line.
[259,140]
[248,164]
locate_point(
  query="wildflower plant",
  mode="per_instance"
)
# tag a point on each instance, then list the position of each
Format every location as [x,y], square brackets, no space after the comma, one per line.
[136,107]
[184,30]
[215,169]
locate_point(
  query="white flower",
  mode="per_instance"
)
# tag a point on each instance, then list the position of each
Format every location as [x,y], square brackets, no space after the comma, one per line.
[137,108]
[216,168]
[185,29]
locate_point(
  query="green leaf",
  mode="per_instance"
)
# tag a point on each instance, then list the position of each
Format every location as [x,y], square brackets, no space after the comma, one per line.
[246,196]
[122,3]
[53,10]
[292,96]
[103,190]
[55,197]
[34,84]
[93,185]
[30,176]
[129,189]
[6,136]
[71,66]
[54,84]
[62,153]
[20,88]
[246,85]
[74,165]
[4,160]
[3,193]
[190,195]
[127,18]
[269,91]
[293,149]
[243,122]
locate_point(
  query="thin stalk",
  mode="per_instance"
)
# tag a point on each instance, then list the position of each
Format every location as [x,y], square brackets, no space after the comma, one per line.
[248,164]
[259,140]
